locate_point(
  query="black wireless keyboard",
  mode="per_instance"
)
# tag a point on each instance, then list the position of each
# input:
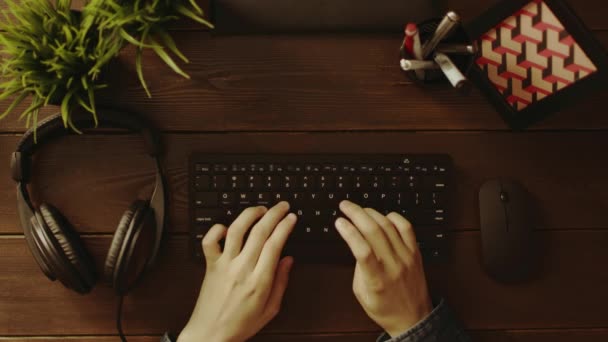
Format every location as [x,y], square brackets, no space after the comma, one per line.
[416,186]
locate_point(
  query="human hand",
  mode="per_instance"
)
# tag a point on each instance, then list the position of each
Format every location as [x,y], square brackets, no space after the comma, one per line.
[389,280]
[243,289]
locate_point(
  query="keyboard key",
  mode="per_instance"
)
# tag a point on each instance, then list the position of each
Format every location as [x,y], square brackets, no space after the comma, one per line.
[377,182]
[279,197]
[254,182]
[201,183]
[436,183]
[289,182]
[219,182]
[206,199]
[306,182]
[222,168]
[394,182]
[227,198]
[297,198]
[361,182]
[207,216]
[294,168]
[203,168]
[245,198]
[412,182]
[325,182]
[236,182]
[272,182]
[262,198]
[343,182]
[437,199]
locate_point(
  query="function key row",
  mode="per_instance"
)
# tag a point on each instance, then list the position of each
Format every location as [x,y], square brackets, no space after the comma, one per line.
[317,182]
[203,168]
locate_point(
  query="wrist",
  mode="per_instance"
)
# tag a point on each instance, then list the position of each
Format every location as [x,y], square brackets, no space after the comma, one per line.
[404,324]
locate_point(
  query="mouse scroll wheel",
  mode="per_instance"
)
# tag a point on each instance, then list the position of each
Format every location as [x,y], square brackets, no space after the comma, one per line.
[504,197]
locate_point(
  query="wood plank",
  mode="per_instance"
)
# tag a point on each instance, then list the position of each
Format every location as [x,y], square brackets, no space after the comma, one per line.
[590,11]
[568,293]
[561,335]
[303,83]
[185,24]
[549,335]
[101,175]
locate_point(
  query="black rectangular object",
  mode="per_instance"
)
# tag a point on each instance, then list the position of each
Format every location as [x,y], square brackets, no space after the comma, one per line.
[255,16]
[416,186]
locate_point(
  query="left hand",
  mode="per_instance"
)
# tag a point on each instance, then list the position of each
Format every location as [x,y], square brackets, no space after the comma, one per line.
[244,285]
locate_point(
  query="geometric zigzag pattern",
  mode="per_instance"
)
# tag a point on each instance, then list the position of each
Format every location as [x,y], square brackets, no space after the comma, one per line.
[530,56]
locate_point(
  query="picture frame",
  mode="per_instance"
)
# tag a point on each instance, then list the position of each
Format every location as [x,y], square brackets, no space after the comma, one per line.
[516,84]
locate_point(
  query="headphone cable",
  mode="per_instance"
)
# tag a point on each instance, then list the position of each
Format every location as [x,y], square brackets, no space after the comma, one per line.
[119,319]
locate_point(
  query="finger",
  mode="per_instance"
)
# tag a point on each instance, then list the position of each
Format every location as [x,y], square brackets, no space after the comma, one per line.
[269,257]
[369,229]
[406,231]
[262,230]
[397,244]
[211,243]
[273,304]
[240,226]
[358,246]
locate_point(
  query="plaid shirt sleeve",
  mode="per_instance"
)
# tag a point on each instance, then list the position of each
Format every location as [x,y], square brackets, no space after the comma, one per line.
[439,326]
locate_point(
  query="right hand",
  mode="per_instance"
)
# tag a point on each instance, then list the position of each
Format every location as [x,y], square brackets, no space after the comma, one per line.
[389,280]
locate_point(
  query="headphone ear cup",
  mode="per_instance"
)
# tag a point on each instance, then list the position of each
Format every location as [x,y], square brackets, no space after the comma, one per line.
[119,253]
[71,247]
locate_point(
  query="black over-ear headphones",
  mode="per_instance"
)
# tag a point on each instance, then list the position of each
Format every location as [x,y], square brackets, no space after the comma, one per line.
[54,243]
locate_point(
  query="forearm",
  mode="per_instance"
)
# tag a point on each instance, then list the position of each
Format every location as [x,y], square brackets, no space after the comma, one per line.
[439,326]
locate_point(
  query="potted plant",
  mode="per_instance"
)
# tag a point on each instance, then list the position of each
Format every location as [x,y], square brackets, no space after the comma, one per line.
[55,55]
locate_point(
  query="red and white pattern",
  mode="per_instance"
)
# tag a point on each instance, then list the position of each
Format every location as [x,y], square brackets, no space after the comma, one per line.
[530,56]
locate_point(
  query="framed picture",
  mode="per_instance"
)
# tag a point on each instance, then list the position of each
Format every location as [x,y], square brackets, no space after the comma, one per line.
[535,56]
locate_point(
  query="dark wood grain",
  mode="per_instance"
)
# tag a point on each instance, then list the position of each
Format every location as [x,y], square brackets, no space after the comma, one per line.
[564,172]
[302,83]
[564,335]
[319,298]
[468,9]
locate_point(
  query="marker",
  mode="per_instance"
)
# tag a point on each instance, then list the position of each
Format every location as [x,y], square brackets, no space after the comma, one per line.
[416,65]
[412,46]
[445,27]
[408,42]
[458,80]
[459,49]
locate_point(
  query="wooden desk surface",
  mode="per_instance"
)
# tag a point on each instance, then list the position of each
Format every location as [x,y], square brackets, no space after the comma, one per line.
[319,93]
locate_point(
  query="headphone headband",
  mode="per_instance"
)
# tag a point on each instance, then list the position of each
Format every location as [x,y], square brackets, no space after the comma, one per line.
[52,128]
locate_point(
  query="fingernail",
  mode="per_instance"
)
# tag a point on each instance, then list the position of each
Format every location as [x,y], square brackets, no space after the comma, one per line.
[284,204]
[345,204]
[292,217]
[340,224]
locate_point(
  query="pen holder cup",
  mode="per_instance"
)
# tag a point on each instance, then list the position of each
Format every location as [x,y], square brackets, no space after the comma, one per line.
[459,36]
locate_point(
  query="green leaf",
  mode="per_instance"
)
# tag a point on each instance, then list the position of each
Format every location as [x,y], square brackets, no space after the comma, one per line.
[72,126]
[140,73]
[91,93]
[65,107]
[13,105]
[84,105]
[188,13]
[132,40]
[196,6]
[167,59]
[170,43]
